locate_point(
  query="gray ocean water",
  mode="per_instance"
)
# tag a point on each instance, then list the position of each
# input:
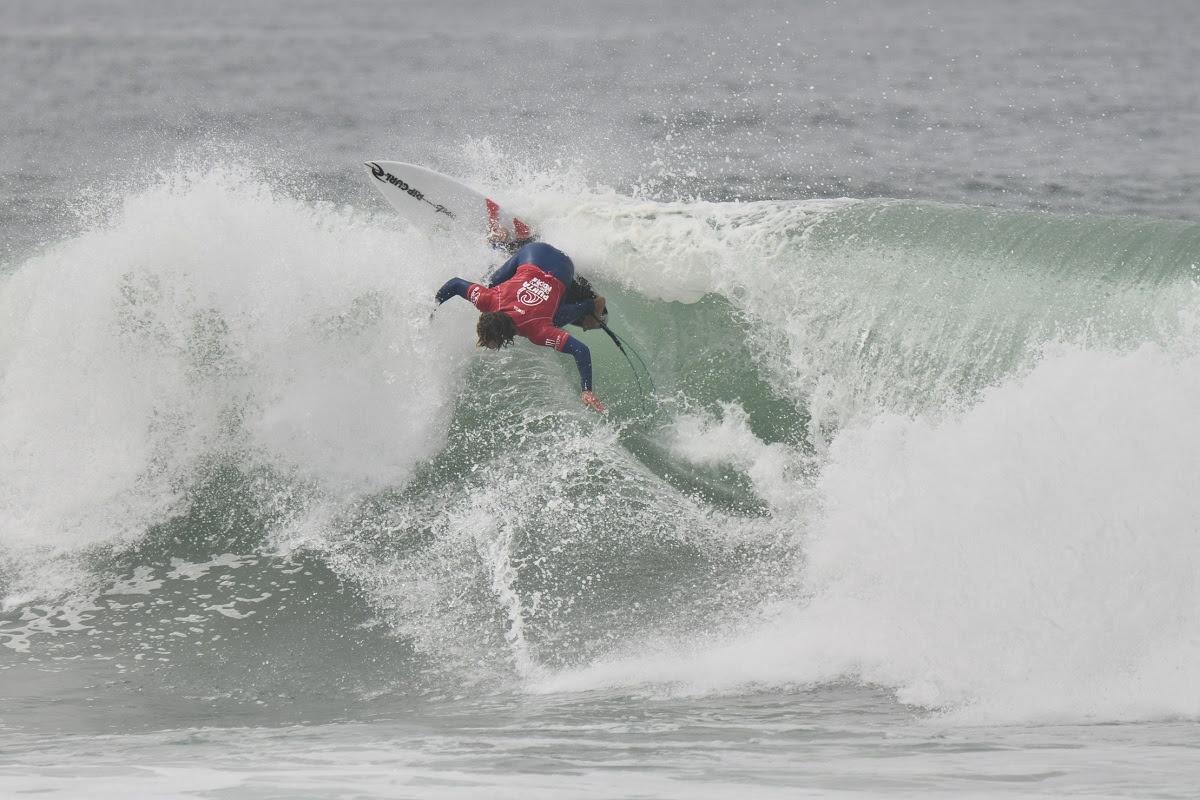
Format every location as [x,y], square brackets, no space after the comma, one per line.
[896,492]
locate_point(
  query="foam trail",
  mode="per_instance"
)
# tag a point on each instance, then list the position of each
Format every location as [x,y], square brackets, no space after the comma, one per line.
[496,551]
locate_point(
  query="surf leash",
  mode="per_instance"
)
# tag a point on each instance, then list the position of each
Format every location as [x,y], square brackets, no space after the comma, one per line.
[621,345]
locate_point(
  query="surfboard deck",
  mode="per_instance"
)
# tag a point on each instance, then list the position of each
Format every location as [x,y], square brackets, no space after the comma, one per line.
[432,200]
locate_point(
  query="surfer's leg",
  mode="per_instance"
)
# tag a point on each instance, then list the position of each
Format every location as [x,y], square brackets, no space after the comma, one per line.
[506,271]
[562,269]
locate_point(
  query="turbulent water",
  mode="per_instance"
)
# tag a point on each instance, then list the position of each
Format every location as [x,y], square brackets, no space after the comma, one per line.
[896,491]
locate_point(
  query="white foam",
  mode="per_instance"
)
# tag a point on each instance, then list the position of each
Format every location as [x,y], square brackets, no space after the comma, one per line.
[208,316]
[709,440]
[1034,557]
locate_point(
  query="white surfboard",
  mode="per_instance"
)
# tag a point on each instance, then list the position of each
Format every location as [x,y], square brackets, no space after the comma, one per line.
[432,200]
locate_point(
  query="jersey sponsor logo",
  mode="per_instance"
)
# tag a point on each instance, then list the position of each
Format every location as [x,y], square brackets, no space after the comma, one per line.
[533,292]
[473,294]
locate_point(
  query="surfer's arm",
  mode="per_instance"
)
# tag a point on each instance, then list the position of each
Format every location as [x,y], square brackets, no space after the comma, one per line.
[455,287]
[568,313]
[588,314]
[583,361]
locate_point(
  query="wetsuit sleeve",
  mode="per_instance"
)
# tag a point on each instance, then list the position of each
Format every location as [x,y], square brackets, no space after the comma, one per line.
[567,314]
[453,287]
[505,273]
[583,360]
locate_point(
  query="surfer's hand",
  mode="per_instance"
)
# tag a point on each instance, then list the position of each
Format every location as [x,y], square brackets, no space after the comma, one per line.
[599,312]
[591,401]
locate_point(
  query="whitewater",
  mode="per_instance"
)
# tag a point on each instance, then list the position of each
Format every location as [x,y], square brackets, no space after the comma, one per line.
[897,497]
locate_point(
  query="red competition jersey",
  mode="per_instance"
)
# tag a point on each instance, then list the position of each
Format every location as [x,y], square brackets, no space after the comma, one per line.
[530,297]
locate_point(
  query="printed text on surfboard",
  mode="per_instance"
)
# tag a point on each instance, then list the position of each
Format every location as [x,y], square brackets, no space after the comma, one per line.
[383,175]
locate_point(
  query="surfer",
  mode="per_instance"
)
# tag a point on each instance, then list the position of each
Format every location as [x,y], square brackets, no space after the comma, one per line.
[525,297]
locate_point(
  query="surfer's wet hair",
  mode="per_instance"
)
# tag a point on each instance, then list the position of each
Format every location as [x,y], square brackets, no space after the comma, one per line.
[496,327]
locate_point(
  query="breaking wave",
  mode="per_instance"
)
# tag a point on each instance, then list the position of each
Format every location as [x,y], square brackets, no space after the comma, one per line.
[940,449]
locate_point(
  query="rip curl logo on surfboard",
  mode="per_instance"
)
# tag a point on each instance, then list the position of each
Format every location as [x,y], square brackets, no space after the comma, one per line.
[384,176]
[533,292]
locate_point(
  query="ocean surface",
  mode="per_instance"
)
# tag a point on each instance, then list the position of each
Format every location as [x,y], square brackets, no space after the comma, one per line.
[896,495]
